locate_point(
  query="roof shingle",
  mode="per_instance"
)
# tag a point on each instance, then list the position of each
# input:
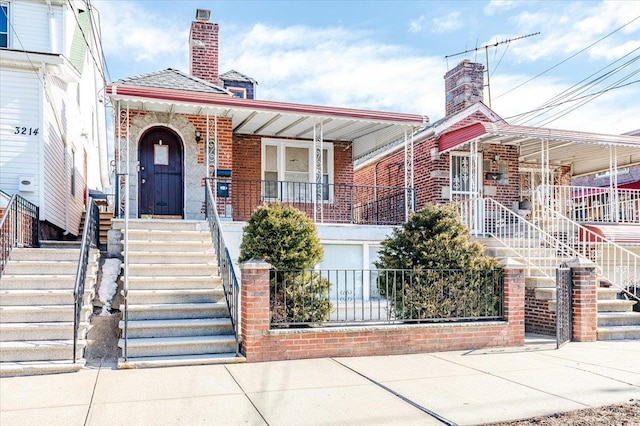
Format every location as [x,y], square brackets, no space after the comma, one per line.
[173,79]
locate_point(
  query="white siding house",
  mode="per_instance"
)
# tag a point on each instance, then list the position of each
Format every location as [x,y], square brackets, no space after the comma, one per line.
[52,120]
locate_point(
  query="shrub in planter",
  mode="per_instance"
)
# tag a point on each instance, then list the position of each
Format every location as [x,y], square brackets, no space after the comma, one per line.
[449,275]
[287,239]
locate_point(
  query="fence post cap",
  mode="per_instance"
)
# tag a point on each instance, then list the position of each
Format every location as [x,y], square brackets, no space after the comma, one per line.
[512,263]
[254,263]
[579,262]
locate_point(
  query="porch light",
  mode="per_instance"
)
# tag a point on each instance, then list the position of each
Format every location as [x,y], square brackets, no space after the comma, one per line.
[198,136]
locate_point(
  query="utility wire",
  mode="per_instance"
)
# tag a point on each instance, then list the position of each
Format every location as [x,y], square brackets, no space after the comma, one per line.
[570,57]
[95,25]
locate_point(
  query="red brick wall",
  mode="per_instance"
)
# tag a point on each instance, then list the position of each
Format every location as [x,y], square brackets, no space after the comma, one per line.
[538,318]
[203,51]
[262,344]
[585,303]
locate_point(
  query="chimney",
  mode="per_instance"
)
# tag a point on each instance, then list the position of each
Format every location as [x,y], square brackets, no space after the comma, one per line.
[203,48]
[463,86]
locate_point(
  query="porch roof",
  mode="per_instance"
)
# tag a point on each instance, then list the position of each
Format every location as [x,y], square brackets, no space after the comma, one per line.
[586,152]
[366,129]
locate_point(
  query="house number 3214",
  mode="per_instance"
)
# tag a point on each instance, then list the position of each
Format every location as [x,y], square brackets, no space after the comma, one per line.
[32,131]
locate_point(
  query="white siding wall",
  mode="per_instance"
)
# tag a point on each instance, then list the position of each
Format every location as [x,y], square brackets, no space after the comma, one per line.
[33,26]
[20,107]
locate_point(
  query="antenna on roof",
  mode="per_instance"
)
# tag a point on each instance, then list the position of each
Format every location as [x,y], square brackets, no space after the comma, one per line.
[486,51]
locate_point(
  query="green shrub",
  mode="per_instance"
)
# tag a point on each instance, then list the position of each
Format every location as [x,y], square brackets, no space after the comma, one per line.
[287,239]
[449,275]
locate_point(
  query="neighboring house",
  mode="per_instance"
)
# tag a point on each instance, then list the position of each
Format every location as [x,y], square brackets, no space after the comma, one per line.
[52,113]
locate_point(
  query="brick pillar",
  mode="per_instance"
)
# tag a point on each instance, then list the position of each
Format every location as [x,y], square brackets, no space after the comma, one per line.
[254,300]
[584,300]
[514,300]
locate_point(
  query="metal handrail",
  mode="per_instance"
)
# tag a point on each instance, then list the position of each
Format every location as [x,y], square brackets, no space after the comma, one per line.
[19,226]
[226,268]
[594,204]
[90,235]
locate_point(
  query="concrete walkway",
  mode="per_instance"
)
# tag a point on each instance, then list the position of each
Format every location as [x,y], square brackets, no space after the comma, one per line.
[472,387]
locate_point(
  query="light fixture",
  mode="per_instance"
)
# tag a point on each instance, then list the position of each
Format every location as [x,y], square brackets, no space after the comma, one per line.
[198,136]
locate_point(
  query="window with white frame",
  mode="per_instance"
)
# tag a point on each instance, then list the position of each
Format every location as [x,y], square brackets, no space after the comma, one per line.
[238,92]
[4,24]
[287,169]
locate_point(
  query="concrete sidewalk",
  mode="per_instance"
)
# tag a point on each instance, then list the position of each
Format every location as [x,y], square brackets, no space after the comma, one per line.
[472,387]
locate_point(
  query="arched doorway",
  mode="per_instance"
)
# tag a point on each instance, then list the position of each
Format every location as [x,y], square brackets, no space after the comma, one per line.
[160,180]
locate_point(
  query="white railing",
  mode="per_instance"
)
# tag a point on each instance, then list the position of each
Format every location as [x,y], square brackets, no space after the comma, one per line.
[541,251]
[593,204]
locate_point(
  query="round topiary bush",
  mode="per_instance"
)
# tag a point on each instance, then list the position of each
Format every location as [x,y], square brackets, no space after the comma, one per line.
[446,274]
[287,239]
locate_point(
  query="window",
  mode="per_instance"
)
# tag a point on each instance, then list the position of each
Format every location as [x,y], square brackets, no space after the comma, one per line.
[4,24]
[238,92]
[288,170]
[349,266]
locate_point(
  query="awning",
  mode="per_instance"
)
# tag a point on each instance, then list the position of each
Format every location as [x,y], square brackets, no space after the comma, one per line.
[367,130]
[586,152]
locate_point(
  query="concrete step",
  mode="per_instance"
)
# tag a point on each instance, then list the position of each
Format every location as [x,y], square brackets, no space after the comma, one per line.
[36,267]
[41,297]
[31,368]
[162,224]
[618,305]
[160,283]
[536,252]
[168,270]
[540,282]
[142,297]
[169,236]
[172,258]
[45,313]
[205,247]
[179,328]
[39,350]
[543,293]
[619,332]
[45,254]
[42,282]
[609,319]
[55,244]
[171,346]
[179,360]
[610,293]
[41,330]
[177,311]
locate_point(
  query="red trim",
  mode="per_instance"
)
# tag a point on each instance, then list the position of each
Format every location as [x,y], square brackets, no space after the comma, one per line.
[227,101]
[460,136]
[630,185]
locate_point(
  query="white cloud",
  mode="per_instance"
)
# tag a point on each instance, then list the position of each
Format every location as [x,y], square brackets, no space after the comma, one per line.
[497,6]
[417,25]
[447,23]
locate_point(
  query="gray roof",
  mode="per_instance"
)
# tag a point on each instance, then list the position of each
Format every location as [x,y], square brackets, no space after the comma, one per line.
[173,79]
[234,75]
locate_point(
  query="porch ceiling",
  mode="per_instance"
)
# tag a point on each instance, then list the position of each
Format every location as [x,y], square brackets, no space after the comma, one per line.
[585,152]
[366,130]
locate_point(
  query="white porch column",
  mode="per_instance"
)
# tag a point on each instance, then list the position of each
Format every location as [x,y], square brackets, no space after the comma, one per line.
[318,139]
[614,206]
[408,174]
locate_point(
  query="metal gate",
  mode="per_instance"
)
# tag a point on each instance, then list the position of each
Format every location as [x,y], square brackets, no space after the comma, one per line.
[564,313]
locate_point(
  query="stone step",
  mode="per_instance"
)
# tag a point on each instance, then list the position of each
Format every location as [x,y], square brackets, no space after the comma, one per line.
[41,330]
[178,328]
[168,270]
[154,296]
[177,311]
[160,283]
[205,247]
[36,267]
[618,305]
[179,360]
[55,244]
[619,332]
[172,258]
[30,368]
[42,282]
[609,319]
[46,254]
[41,297]
[39,350]
[171,346]
[168,236]
[162,224]
[610,293]
[45,313]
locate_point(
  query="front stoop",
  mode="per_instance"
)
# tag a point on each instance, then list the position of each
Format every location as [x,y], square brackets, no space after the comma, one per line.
[176,308]
[36,311]
[616,318]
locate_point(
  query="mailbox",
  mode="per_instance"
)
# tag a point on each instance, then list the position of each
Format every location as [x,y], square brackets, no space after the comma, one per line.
[223,189]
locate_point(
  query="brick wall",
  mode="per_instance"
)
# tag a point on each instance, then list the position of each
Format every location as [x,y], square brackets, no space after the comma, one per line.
[463,85]
[585,301]
[203,51]
[260,343]
[538,317]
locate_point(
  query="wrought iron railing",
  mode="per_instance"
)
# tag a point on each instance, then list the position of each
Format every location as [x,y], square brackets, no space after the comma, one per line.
[225,265]
[390,296]
[19,227]
[90,235]
[236,199]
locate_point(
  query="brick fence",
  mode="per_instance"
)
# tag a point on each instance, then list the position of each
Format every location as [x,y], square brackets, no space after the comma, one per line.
[260,343]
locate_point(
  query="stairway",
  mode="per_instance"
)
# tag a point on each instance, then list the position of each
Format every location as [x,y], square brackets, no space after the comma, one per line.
[176,308]
[104,226]
[616,318]
[36,310]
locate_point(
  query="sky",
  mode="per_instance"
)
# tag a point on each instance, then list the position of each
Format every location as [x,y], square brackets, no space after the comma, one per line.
[581,72]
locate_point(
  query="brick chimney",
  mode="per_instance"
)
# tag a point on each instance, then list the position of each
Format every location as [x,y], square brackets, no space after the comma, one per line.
[203,48]
[463,86]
